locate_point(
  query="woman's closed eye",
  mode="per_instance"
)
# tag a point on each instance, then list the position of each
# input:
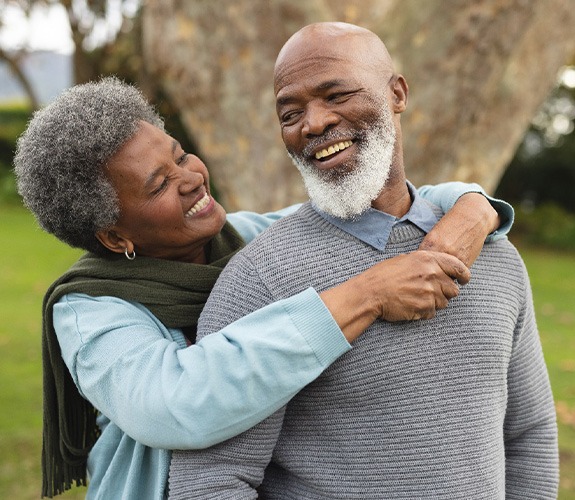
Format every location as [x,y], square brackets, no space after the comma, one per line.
[163,185]
[182,159]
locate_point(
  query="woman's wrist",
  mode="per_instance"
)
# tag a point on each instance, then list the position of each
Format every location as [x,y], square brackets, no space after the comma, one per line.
[352,305]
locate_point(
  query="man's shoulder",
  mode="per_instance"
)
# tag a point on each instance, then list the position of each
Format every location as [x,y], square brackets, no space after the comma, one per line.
[501,257]
[289,229]
[502,248]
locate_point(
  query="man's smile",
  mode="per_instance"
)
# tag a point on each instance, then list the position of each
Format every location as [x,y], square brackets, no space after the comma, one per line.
[334,155]
[334,148]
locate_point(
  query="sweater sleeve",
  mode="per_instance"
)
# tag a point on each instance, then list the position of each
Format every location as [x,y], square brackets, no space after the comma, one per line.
[126,363]
[233,469]
[530,429]
[445,195]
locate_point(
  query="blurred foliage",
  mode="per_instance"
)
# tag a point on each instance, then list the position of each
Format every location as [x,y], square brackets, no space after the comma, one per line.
[543,169]
[13,120]
[544,177]
[546,226]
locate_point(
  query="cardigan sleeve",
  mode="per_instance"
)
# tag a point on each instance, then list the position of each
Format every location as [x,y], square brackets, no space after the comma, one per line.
[445,195]
[250,224]
[127,364]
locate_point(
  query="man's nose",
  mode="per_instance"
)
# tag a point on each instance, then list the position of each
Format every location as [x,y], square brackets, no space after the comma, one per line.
[318,120]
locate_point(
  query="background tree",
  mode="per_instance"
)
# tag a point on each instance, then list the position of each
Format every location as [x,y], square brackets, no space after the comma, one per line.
[97,28]
[100,30]
[478,71]
[13,58]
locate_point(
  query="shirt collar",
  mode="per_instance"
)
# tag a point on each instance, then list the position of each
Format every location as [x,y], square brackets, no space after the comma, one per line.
[374,227]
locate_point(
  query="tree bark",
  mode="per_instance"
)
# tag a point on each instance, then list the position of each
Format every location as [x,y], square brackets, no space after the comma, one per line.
[477,72]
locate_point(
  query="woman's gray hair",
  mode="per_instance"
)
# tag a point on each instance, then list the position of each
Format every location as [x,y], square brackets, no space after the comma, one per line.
[60,158]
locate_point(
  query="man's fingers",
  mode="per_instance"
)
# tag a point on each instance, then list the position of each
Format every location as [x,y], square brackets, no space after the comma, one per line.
[454,268]
[441,300]
[450,289]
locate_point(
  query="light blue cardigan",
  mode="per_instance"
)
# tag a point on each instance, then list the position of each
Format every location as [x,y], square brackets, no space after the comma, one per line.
[154,394]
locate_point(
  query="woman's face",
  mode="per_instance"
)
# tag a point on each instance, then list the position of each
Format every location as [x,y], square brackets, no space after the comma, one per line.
[166,210]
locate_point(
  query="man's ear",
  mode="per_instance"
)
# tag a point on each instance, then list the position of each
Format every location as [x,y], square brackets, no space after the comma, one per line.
[114,241]
[400,92]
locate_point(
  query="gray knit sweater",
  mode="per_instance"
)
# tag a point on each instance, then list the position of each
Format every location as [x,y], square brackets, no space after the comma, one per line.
[457,407]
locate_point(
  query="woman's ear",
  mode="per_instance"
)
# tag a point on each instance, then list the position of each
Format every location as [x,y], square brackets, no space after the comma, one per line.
[400,92]
[113,241]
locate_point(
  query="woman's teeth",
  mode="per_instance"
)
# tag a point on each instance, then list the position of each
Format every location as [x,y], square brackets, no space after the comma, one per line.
[199,205]
[332,149]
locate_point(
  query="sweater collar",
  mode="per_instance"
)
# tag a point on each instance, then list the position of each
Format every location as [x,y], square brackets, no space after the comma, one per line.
[373,227]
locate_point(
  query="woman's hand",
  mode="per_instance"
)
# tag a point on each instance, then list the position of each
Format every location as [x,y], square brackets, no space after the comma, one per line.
[462,230]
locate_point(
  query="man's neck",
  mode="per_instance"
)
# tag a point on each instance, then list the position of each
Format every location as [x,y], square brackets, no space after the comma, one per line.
[394,199]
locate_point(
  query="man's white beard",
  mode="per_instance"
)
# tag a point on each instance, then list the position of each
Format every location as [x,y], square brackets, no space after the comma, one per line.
[349,193]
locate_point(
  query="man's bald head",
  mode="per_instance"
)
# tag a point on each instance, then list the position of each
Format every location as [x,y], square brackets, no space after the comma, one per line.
[333,40]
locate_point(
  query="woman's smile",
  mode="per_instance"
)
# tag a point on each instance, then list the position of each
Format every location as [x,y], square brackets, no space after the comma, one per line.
[198,208]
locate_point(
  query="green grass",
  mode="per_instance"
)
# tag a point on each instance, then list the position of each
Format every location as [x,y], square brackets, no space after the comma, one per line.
[31,260]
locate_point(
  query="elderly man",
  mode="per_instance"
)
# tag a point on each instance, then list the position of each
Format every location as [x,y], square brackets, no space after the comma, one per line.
[458,406]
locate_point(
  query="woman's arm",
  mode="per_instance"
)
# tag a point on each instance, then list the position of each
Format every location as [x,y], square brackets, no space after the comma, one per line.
[447,194]
[471,218]
[407,287]
[128,366]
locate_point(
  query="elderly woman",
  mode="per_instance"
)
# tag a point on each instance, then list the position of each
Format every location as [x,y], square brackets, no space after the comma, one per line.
[123,382]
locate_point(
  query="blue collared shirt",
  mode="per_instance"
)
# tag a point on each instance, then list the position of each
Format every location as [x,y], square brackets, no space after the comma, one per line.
[374,227]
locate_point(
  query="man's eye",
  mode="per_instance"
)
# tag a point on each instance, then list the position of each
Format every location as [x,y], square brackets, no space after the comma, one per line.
[290,117]
[339,97]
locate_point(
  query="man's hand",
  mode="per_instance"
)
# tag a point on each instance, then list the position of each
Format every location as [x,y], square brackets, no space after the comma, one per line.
[462,230]
[414,286]
[407,287]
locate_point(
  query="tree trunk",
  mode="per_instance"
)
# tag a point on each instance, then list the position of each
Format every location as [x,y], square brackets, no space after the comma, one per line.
[13,62]
[477,70]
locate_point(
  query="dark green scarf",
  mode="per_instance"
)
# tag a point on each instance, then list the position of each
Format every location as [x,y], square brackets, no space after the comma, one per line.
[175,292]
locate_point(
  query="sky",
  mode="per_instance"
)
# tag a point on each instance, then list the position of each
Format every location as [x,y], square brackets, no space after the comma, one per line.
[47,29]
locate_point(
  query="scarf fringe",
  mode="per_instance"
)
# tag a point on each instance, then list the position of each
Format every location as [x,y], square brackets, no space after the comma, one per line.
[71,424]
[174,292]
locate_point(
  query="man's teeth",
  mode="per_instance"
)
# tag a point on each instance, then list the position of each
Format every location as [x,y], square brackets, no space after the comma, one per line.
[199,205]
[332,149]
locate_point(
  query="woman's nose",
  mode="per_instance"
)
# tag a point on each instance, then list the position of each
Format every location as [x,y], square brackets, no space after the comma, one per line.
[192,174]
